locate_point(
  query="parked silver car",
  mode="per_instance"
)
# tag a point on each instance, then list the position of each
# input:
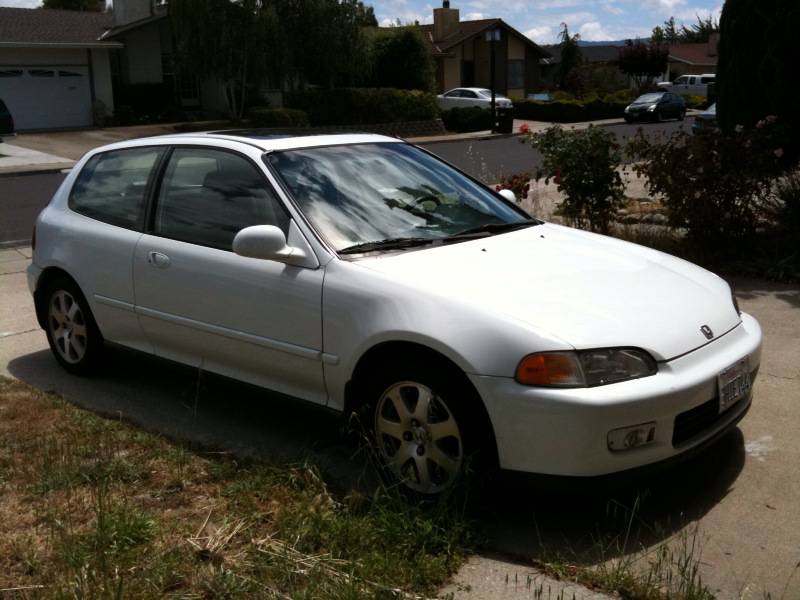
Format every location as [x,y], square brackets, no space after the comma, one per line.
[465,97]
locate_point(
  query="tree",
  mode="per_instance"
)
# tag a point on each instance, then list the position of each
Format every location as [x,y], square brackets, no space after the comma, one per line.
[571,57]
[758,58]
[365,15]
[670,31]
[658,36]
[643,62]
[700,32]
[84,5]
[400,58]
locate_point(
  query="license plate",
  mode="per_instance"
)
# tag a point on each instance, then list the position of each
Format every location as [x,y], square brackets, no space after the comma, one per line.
[733,384]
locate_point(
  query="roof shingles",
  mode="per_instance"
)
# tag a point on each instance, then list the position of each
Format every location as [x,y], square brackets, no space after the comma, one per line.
[52,26]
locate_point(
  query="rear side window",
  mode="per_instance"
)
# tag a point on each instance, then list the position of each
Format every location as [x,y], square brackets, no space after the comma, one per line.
[207,196]
[112,186]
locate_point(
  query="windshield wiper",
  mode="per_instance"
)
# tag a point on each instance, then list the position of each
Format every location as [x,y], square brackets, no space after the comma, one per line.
[388,244]
[494,228]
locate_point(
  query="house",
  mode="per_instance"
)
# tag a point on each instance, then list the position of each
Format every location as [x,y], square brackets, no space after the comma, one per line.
[54,69]
[462,53]
[65,69]
[693,59]
[600,58]
[146,60]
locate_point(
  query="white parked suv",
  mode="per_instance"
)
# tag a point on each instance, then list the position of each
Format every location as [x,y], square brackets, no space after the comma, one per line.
[466,97]
[689,85]
[364,274]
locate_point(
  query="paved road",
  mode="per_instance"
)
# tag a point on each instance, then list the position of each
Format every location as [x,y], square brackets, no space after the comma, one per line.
[21,199]
[488,160]
[743,493]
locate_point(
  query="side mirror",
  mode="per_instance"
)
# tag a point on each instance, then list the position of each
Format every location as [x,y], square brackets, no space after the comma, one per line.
[267,242]
[508,195]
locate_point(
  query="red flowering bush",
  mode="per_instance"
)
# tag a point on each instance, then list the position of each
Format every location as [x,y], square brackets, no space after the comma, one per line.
[520,184]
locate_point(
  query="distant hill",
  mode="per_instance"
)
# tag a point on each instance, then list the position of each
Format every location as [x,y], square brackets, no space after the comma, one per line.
[609,43]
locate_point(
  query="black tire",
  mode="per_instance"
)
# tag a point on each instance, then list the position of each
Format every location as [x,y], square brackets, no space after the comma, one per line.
[452,394]
[657,116]
[681,115]
[73,335]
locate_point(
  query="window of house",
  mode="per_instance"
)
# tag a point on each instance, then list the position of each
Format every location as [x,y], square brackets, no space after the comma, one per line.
[69,74]
[208,196]
[112,186]
[516,74]
[41,73]
[10,72]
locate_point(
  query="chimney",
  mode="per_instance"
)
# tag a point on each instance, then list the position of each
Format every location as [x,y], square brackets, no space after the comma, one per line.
[713,44]
[129,11]
[445,21]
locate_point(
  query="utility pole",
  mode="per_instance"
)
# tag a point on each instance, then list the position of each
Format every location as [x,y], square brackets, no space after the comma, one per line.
[492,37]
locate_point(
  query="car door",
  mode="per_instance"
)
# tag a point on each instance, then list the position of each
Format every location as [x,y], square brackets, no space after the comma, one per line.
[470,98]
[201,304]
[681,85]
[101,227]
[451,99]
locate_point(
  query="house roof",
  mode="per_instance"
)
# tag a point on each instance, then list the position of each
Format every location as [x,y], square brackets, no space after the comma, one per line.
[469,29]
[596,53]
[692,54]
[114,31]
[47,27]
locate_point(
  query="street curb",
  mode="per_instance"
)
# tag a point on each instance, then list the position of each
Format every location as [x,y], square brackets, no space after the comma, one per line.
[35,169]
[12,244]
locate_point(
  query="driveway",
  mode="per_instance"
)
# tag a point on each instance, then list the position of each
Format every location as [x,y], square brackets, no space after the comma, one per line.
[743,495]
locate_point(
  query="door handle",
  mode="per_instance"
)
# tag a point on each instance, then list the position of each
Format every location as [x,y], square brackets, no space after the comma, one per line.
[158,260]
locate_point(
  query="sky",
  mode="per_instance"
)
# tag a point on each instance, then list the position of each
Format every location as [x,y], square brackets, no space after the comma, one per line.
[540,20]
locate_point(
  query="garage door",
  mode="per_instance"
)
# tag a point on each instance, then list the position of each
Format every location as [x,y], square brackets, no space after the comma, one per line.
[41,97]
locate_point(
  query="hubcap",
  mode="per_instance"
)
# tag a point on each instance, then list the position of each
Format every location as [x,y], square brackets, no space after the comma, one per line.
[67,327]
[418,437]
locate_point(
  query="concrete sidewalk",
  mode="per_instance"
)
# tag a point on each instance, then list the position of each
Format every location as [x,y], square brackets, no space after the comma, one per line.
[15,159]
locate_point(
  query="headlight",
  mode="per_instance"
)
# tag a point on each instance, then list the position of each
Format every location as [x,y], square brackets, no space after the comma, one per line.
[585,368]
[651,108]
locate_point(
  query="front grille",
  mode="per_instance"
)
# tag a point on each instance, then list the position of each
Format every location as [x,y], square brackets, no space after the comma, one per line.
[695,421]
[701,418]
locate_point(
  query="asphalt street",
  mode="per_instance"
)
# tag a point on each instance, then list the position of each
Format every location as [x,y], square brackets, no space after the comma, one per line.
[22,197]
[490,159]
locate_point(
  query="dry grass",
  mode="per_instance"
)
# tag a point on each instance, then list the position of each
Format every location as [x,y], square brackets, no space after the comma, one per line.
[92,508]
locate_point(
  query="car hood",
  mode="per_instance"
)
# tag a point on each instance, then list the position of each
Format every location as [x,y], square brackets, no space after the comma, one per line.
[588,290]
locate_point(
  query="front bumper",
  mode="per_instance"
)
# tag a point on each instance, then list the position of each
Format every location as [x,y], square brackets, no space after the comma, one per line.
[640,116]
[564,431]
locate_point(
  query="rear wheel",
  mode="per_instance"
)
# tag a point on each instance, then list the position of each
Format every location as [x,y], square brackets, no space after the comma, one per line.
[71,330]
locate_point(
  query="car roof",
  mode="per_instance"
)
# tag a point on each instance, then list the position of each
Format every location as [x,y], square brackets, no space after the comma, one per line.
[266,139]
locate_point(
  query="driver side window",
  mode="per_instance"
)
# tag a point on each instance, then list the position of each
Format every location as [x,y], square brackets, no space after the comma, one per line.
[208,196]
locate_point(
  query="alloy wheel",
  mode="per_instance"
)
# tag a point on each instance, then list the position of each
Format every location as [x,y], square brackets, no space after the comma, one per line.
[67,327]
[418,437]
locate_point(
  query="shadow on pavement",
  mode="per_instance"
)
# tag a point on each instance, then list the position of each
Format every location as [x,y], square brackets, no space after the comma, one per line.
[589,522]
[519,516]
[202,409]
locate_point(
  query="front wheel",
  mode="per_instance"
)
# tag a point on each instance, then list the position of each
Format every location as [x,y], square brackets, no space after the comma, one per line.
[681,115]
[428,425]
[71,330]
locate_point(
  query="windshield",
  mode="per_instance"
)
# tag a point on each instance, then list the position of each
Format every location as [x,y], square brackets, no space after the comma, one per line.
[362,193]
[648,98]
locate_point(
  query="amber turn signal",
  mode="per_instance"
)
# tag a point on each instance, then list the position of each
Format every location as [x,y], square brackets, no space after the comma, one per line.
[552,369]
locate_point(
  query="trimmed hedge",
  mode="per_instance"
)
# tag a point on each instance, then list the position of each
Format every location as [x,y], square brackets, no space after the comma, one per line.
[261,116]
[466,119]
[363,106]
[568,111]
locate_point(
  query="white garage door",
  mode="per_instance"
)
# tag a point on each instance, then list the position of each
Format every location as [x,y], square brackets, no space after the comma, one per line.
[42,97]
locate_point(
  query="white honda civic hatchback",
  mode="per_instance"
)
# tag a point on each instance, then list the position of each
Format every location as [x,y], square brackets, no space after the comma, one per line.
[364,274]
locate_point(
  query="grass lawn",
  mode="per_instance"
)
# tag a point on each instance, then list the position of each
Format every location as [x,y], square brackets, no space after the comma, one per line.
[94,508]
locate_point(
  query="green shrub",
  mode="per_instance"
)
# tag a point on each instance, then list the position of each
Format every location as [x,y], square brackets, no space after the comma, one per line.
[698,102]
[277,117]
[624,96]
[584,164]
[363,106]
[471,118]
